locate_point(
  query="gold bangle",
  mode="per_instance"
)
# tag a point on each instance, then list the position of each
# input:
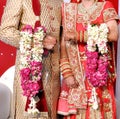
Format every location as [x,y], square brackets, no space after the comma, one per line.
[65,67]
[77,37]
[81,37]
[64,63]
[85,36]
[66,70]
[67,75]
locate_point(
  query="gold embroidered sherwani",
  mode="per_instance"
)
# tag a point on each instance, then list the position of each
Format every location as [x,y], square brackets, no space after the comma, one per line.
[18,13]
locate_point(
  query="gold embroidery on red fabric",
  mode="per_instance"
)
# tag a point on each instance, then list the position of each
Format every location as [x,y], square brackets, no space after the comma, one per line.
[64,94]
[78,72]
[107,106]
[109,13]
[70,13]
[75,97]
[70,16]
[88,15]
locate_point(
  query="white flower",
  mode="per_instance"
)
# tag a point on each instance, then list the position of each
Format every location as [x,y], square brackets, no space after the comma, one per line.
[26,49]
[32,110]
[91,46]
[31,49]
[94,99]
[95,105]
[97,36]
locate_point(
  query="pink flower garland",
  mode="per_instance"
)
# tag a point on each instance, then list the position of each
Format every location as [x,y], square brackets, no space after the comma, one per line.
[29,86]
[31,48]
[97,59]
[31,59]
[96,70]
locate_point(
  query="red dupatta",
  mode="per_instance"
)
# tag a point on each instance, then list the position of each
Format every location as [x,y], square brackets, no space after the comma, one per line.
[69,24]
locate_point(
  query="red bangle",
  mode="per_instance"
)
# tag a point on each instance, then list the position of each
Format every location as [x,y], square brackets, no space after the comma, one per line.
[67,74]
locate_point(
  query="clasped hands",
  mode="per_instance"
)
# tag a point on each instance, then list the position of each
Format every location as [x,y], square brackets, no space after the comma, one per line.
[50,41]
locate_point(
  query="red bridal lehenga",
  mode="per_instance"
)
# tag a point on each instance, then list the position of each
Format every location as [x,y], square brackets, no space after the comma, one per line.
[75,103]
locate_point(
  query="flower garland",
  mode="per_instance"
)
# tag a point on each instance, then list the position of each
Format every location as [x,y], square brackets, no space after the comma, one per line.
[97,59]
[31,49]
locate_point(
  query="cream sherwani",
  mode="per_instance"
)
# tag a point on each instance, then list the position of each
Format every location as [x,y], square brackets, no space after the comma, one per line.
[16,14]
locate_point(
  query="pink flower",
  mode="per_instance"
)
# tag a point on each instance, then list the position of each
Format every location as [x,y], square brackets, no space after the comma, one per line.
[31,75]
[34,63]
[91,54]
[25,71]
[28,29]
[97,59]
[96,69]
[25,74]
[40,28]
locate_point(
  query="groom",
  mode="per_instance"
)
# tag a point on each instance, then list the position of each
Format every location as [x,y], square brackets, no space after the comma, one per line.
[47,13]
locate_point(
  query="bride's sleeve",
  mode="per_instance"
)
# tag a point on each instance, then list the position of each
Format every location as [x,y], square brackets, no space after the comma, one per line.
[109,12]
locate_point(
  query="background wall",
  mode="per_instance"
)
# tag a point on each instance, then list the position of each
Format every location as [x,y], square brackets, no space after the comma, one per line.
[8,53]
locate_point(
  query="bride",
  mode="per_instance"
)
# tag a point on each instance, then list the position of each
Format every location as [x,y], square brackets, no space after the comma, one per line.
[87,61]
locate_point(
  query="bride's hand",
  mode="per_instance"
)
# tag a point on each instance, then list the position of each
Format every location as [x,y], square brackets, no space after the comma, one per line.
[71,83]
[70,36]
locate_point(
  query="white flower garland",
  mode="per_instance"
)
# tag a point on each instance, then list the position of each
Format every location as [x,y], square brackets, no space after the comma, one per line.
[31,48]
[96,43]
[97,36]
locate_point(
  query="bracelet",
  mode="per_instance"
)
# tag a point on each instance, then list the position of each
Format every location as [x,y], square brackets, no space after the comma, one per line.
[85,36]
[66,70]
[64,63]
[64,59]
[82,37]
[67,74]
[65,67]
